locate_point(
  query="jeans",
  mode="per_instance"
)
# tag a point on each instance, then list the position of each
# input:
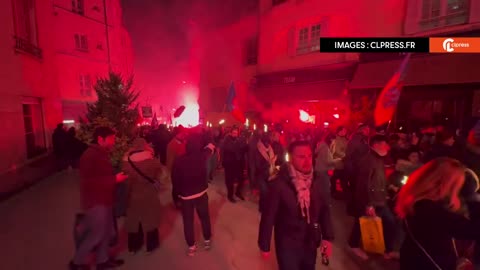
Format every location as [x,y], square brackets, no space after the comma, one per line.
[211,165]
[296,259]
[234,174]
[199,204]
[263,188]
[389,224]
[252,179]
[100,226]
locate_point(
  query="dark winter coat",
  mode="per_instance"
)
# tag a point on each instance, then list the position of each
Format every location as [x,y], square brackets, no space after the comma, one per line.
[160,139]
[370,188]
[434,226]
[75,149]
[59,141]
[262,167]
[357,147]
[282,213]
[189,173]
[234,150]
[442,150]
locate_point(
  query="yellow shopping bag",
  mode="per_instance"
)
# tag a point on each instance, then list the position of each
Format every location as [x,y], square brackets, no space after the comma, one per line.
[372,234]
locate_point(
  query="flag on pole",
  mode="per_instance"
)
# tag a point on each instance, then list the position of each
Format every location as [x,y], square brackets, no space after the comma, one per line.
[154,121]
[388,99]
[230,105]
[230,98]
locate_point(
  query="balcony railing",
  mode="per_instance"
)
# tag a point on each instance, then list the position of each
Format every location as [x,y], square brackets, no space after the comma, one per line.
[24,46]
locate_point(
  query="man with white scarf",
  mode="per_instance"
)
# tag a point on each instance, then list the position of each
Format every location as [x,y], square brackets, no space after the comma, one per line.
[297,209]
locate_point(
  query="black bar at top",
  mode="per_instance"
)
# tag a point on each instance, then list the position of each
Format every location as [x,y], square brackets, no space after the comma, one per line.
[335,45]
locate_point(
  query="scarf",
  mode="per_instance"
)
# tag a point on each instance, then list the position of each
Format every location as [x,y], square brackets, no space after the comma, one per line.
[302,183]
[267,153]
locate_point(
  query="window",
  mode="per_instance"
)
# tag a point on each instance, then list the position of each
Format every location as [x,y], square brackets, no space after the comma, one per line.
[85,85]
[430,9]
[315,38]
[26,39]
[251,51]
[81,42]
[457,12]
[438,13]
[34,128]
[309,39]
[278,2]
[78,7]
[454,6]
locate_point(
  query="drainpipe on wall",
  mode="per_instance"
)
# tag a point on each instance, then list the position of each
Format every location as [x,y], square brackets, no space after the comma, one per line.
[107,35]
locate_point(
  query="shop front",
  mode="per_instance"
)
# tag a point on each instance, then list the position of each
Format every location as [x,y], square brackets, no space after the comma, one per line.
[313,89]
[73,111]
[437,88]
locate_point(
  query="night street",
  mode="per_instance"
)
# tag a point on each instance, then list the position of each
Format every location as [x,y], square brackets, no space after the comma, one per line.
[36,233]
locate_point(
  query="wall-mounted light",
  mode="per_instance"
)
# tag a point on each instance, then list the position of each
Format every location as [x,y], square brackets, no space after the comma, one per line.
[221,122]
[69,121]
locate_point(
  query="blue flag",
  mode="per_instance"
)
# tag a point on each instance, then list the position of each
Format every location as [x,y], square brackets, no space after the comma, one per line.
[230,98]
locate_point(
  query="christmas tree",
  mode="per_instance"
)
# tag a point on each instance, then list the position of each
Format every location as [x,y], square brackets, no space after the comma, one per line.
[115,108]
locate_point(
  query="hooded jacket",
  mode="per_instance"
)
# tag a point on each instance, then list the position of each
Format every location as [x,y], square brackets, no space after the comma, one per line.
[189,173]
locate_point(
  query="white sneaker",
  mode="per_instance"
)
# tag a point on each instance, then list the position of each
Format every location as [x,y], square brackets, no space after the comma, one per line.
[192,250]
[207,244]
[359,253]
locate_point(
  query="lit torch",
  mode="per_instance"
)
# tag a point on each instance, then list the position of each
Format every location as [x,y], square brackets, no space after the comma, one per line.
[404,180]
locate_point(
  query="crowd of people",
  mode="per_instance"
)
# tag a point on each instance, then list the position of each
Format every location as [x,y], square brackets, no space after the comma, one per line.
[422,185]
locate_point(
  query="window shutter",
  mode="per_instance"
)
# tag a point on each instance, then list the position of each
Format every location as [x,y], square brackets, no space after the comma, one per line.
[77,41]
[88,85]
[82,85]
[291,41]
[84,43]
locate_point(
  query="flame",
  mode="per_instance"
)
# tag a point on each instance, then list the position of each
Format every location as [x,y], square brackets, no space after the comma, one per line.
[304,116]
[191,115]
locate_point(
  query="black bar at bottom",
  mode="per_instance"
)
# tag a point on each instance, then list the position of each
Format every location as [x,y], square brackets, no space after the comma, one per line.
[335,45]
